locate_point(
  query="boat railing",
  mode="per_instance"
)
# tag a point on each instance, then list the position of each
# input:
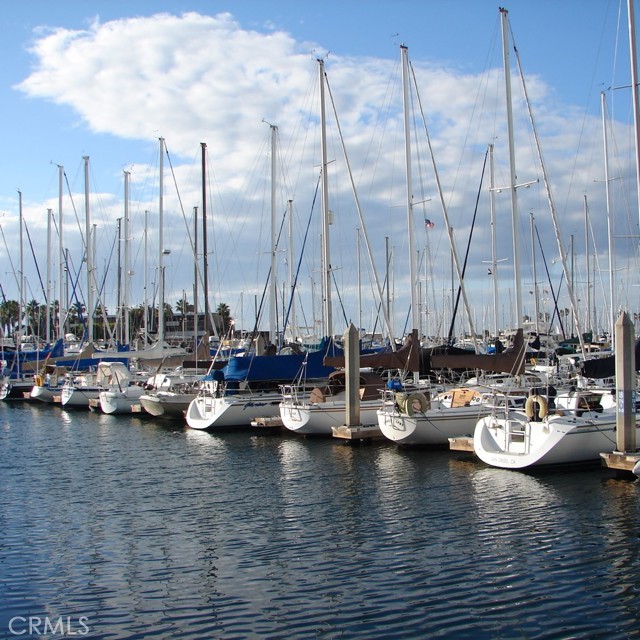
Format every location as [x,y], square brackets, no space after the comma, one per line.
[388,399]
[211,388]
[289,392]
[294,393]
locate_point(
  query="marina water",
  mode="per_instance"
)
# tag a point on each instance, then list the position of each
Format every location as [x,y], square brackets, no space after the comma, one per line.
[129,527]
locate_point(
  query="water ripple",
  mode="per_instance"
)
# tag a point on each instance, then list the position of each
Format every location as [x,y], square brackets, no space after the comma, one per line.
[155,531]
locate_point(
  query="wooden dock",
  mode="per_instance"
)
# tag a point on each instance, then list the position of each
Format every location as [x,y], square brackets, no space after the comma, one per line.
[620,461]
[273,421]
[463,443]
[358,432]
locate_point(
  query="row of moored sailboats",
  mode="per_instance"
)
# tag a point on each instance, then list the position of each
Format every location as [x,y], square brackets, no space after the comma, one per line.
[516,416]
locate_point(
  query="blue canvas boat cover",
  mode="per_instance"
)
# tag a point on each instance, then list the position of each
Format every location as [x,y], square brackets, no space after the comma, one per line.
[281,368]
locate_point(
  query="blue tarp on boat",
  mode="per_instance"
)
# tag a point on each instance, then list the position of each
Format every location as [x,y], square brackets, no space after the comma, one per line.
[16,359]
[281,368]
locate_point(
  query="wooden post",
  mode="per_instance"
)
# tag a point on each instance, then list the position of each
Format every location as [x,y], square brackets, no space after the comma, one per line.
[625,385]
[352,366]
[352,429]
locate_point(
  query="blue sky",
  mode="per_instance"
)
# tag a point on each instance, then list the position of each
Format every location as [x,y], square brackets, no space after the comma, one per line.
[106,79]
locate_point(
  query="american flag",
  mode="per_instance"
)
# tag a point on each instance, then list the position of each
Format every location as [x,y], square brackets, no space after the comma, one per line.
[428,224]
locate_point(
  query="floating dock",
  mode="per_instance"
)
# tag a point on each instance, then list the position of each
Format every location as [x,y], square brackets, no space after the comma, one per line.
[274,421]
[358,432]
[463,443]
[620,461]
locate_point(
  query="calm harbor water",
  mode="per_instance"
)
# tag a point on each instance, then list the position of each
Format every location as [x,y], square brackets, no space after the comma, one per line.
[125,527]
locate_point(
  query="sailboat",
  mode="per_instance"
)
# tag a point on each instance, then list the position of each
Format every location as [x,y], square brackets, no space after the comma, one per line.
[576,430]
[79,389]
[244,389]
[419,415]
[19,369]
[324,407]
[120,391]
[168,393]
[171,395]
[248,386]
[572,428]
[18,365]
[48,383]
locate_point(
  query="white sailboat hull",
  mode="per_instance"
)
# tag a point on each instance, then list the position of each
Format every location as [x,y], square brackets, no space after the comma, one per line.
[45,394]
[166,403]
[516,443]
[432,428]
[120,401]
[319,419]
[79,396]
[207,412]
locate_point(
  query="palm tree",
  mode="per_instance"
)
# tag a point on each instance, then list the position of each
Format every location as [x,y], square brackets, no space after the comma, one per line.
[75,312]
[32,316]
[9,314]
[223,318]
[183,307]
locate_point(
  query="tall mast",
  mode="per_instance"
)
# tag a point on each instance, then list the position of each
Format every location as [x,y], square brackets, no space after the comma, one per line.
[272,305]
[634,87]
[120,320]
[205,255]
[88,251]
[552,208]
[612,303]
[326,266]
[161,247]
[61,269]
[515,216]
[413,266]
[494,255]
[454,253]
[21,287]
[588,324]
[195,279]
[126,258]
[145,279]
[535,275]
[293,322]
[49,282]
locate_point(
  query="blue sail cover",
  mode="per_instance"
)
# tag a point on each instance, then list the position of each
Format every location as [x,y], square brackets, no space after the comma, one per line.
[281,368]
[86,364]
[16,359]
